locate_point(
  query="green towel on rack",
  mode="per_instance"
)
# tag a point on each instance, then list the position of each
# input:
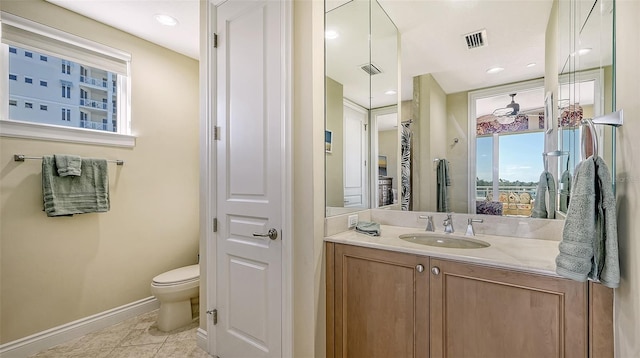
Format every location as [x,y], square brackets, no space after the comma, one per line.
[542,209]
[87,193]
[68,165]
[442,182]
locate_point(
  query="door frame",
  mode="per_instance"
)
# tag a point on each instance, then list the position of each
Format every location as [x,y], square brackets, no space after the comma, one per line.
[207,247]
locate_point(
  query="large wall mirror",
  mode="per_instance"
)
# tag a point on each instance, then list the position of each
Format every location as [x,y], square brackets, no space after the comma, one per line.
[361,97]
[492,96]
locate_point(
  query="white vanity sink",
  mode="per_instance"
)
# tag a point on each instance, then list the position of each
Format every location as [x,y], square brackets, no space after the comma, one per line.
[445,240]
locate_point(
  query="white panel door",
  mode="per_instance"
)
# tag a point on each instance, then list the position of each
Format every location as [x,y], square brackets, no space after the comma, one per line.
[355,140]
[250,114]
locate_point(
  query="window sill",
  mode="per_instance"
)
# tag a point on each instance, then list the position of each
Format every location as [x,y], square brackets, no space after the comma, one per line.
[18,129]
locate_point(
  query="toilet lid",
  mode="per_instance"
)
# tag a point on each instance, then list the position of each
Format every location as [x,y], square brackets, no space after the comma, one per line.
[182,274]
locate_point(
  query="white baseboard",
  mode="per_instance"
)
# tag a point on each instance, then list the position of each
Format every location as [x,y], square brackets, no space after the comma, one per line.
[201,339]
[44,340]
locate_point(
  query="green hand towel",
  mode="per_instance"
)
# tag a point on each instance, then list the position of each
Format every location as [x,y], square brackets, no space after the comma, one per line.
[70,195]
[541,209]
[369,228]
[68,165]
[589,246]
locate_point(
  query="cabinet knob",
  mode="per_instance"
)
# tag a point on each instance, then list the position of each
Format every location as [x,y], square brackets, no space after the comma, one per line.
[435,270]
[419,268]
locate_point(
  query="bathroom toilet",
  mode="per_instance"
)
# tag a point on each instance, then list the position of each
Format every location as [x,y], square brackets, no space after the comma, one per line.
[175,289]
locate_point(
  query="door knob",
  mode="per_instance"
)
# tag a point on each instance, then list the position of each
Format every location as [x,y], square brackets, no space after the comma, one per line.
[419,268]
[272,234]
[435,270]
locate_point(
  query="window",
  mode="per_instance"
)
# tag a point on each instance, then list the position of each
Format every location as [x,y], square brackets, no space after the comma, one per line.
[12,50]
[13,77]
[66,91]
[66,67]
[66,114]
[43,107]
[105,75]
[13,102]
[506,147]
[28,54]
[28,105]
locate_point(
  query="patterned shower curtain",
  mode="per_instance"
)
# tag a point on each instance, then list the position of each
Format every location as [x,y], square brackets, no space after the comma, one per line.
[405,167]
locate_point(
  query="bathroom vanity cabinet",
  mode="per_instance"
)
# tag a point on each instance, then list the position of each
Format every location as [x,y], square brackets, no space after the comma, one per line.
[390,304]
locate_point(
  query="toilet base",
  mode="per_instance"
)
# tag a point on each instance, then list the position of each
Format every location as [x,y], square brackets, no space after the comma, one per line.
[174,315]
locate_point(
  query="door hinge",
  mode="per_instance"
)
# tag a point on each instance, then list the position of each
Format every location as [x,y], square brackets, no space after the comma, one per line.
[216,133]
[215,40]
[214,315]
[215,224]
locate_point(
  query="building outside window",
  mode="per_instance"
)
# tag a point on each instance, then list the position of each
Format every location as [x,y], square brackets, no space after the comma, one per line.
[66,114]
[98,75]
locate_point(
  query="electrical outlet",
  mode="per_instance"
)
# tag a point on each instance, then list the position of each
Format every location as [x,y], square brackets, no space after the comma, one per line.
[353,221]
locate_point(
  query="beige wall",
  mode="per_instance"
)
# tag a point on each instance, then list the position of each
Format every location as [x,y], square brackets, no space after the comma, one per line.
[308,173]
[388,146]
[334,164]
[457,153]
[429,139]
[627,297]
[57,270]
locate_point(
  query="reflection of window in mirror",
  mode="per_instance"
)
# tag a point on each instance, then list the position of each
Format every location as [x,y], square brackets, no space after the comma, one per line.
[509,141]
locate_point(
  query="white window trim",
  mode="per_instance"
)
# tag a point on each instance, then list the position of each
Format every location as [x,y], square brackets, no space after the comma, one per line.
[39,131]
[471,109]
[27,130]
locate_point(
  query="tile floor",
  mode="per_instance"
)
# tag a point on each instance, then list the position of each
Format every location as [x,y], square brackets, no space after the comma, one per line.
[137,337]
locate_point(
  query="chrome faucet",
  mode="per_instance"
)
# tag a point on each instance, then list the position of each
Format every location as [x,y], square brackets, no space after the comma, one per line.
[448,224]
[429,218]
[470,222]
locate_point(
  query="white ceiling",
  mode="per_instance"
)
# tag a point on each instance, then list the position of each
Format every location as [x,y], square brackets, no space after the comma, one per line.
[431,37]
[137,18]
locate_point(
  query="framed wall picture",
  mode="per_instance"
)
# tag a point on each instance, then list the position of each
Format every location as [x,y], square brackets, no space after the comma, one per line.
[548,112]
[328,140]
[382,165]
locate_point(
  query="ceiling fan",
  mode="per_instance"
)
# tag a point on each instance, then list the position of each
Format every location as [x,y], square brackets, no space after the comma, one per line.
[507,114]
[510,109]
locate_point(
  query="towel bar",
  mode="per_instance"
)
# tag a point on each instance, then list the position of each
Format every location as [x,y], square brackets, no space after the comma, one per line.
[22,157]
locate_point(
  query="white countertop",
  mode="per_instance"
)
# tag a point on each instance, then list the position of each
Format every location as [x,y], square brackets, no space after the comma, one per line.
[530,255]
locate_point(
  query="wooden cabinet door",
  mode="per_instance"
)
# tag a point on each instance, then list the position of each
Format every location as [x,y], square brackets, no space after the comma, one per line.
[479,311]
[380,303]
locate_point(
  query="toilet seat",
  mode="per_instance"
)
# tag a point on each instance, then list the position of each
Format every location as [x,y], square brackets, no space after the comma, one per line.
[182,275]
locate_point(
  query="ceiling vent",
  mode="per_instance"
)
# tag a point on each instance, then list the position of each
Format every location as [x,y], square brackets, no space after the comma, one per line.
[371,69]
[476,39]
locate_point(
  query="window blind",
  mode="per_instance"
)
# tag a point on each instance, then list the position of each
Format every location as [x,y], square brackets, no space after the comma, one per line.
[20,32]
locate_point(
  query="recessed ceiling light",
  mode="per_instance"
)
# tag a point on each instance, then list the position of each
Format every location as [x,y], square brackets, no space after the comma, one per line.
[331,34]
[532,64]
[166,19]
[493,70]
[390,92]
